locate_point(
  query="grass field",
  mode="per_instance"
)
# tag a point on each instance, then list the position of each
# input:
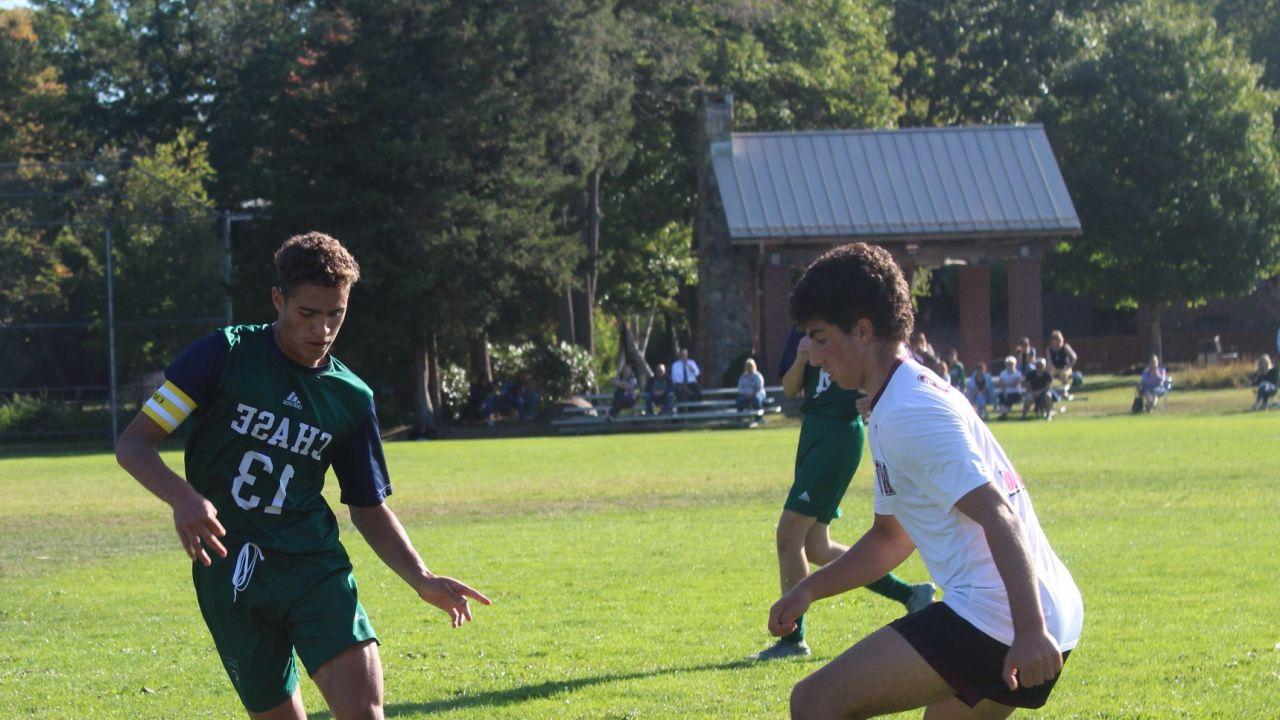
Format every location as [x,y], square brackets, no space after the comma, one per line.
[631,574]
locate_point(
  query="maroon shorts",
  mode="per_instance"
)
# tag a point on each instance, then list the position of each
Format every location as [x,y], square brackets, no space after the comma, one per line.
[970,660]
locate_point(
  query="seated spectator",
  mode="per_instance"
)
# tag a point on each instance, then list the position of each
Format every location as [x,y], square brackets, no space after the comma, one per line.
[685,374]
[981,390]
[524,398]
[1039,391]
[922,352]
[750,388]
[1267,378]
[955,370]
[1152,386]
[1062,360]
[659,391]
[1008,387]
[500,402]
[624,391]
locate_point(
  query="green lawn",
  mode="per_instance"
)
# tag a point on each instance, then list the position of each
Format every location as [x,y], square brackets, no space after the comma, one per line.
[631,574]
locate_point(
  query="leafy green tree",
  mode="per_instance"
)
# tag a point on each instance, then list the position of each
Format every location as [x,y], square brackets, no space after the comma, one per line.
[982,61]
[424,138]
[1257,24]
[791,65]
[1166,140]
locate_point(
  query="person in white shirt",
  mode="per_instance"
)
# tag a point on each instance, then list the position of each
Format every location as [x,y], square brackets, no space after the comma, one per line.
[1008,387]
[685,373]
[1010,612]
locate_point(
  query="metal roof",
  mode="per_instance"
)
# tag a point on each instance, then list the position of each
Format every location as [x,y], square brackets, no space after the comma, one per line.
[919,183]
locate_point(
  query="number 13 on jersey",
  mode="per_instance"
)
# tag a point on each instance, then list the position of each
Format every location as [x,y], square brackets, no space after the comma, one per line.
[246,477]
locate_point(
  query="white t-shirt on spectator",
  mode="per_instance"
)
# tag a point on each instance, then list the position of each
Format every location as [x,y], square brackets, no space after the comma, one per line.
[930,450]
[683,371]
[1010,381]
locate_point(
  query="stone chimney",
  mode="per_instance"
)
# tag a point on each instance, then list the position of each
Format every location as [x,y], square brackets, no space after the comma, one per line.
[723,322]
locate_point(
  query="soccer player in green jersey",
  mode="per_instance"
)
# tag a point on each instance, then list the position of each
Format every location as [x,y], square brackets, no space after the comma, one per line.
[268,411]
[831,440]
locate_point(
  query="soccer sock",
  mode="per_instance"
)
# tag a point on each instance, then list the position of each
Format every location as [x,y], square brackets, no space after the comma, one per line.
[797,636]
[892,587]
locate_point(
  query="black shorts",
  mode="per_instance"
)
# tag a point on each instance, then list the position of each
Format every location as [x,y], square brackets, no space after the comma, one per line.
[967,658]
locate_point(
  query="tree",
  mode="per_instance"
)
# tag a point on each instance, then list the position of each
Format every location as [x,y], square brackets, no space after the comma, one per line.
[798,64]
[1166,140]
[982,61]
[423,133]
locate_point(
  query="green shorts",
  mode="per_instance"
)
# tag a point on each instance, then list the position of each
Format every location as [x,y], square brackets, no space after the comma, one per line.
[261,607]
[829,452]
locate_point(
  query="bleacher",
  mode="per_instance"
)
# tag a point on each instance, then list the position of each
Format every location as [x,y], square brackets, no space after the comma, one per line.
[716,409]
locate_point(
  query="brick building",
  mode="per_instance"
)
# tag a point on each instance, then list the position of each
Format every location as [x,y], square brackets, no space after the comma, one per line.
[768,203]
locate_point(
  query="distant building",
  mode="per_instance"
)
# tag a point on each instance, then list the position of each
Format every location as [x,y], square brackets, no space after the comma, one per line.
[769,203]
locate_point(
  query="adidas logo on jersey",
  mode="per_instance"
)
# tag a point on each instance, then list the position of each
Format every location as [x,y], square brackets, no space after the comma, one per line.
[293,401]
[804,496]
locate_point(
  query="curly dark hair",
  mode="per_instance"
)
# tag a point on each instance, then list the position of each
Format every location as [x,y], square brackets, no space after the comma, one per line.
[317,259]
[851,282]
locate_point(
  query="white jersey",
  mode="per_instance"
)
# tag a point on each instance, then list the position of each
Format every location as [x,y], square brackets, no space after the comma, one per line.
[930,450]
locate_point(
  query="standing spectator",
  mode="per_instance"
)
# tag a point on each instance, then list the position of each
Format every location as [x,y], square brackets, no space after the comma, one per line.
[750,387]
[1008,387]
[1152,386]
[941,369]
[922,352]
[955,370]
[1039,391]
[1267,378]
[658,391]
[981,390]
[624,391]
[1063,361]
[685,373]
[1025,354]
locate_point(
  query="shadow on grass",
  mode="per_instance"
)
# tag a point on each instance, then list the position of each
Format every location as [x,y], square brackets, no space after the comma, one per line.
[525,693]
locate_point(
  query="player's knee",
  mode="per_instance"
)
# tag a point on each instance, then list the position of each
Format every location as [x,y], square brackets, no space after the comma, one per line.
[809,702]
[789,539]
[811,699]
[359,710]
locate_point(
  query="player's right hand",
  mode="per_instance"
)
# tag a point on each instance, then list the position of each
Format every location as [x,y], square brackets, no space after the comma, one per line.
[803,347]
[784,613]
[196,521]
[450,596]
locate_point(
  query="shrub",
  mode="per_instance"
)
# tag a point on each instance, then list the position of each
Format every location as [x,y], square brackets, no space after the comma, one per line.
[1211,377]
[42,414]
[557,370]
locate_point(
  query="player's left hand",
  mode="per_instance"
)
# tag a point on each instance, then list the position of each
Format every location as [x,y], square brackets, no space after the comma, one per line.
[451,596]
[1033,658]
[863,406]
[788,609]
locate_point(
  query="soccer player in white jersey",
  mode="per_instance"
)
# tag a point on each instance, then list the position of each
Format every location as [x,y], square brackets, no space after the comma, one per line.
[1010,612]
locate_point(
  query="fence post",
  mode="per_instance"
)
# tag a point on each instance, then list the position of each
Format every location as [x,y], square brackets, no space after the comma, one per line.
[111,334]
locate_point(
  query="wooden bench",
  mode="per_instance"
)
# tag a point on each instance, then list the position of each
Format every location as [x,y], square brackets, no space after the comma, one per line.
[718,411]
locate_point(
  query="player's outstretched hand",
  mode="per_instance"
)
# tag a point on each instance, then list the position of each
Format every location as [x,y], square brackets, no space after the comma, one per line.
[1032,659]
[788,609]
[196,521]
[451,596]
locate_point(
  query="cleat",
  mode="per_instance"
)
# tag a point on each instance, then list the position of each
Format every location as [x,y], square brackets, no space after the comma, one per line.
[780,650]
[921,597]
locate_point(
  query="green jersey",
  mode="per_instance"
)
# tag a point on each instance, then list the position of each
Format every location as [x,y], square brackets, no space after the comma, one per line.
[263,431]
[824,398]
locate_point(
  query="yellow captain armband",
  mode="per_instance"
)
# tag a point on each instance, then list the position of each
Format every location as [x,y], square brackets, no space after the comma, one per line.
[169,406]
